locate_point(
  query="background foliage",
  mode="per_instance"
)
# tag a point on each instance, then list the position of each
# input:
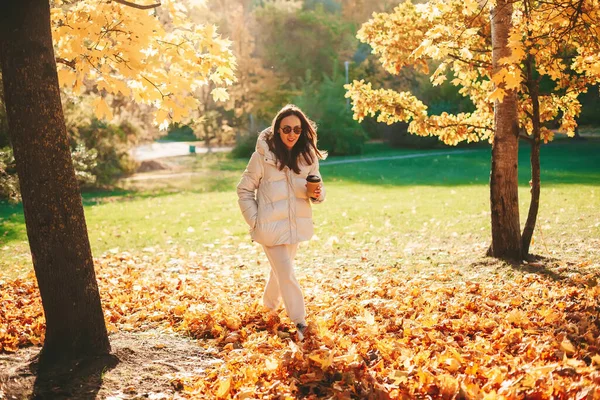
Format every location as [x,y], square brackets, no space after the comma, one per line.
[324,102]
[286,51]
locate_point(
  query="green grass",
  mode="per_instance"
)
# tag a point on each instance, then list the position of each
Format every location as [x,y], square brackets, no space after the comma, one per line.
[412,207]
[565,162]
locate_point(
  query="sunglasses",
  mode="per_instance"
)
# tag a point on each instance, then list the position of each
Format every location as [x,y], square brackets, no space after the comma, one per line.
[288,129]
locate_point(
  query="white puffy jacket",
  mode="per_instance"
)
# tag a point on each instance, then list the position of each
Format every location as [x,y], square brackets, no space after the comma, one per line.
[274,202]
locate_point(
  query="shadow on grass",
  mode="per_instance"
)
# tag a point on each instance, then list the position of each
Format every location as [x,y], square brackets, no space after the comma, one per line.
[563,162]
[540,265]
[558,271]
[580,323]
[78,380]
[551,268]
[91,198]
[130,194]
[172,186]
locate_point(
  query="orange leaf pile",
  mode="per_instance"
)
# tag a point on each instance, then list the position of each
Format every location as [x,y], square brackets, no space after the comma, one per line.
[372,334]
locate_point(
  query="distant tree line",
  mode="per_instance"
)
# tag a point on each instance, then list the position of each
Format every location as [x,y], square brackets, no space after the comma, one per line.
[286,51]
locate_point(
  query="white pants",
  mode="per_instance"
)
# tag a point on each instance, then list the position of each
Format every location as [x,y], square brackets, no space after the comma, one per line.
[282,282]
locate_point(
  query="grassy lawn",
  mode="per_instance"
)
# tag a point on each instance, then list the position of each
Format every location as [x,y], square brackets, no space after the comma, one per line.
[414,208]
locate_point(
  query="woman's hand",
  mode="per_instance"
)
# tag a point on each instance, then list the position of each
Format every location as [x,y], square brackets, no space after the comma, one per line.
[318,191]
[316,194]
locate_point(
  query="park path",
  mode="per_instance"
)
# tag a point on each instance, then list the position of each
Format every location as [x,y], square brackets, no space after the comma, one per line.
[155,150]
[325,163]
[354,160]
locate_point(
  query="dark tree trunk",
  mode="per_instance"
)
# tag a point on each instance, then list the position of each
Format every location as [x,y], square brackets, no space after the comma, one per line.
[504,195]
[52,205]
[534,205]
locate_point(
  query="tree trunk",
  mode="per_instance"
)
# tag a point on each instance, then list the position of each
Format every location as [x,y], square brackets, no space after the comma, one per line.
[504,195]
[54,217]
[534,205]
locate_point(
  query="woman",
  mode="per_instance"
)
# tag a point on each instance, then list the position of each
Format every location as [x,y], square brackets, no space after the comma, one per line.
[273,197]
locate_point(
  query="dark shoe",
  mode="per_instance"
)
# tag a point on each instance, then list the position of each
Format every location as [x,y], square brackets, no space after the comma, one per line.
[301,331]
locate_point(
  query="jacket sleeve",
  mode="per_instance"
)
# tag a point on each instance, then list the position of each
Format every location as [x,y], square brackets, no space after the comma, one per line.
[314,170]
[246,189]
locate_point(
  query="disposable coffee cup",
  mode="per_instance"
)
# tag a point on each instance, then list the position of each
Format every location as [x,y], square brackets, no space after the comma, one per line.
[312,183]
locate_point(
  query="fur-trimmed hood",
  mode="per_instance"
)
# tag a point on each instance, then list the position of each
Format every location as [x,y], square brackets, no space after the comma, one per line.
[262,147]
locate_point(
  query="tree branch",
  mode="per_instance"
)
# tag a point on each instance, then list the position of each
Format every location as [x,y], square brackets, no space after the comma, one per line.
[458,124]
[70,63]
[479,63]
[138,6]
[526,138]
[156,87]
[482,7]
[174,44]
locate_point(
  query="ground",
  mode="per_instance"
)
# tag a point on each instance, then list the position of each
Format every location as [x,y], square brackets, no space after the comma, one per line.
[170,346]
[145,367]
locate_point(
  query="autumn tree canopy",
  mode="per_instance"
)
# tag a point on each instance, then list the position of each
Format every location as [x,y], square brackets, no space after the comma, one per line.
[559,37]
[151,53]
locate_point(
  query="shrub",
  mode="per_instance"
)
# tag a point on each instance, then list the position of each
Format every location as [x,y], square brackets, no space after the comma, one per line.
[9,184]
[245,146]
[324,103]
[396,135]
[111,144]
[180,133]
[84,161]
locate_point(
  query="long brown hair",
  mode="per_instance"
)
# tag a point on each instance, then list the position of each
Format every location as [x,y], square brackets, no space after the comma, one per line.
[306,146]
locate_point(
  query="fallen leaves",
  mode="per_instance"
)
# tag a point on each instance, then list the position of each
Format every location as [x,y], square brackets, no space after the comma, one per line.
[372,333]
[21,317]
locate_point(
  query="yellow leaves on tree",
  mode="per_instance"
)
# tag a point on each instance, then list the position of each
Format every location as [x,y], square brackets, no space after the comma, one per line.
[156,57]
[455,34]
[101,108]
[220,94]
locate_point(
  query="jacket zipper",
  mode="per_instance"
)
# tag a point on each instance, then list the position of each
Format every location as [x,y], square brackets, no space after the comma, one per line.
[290,195]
